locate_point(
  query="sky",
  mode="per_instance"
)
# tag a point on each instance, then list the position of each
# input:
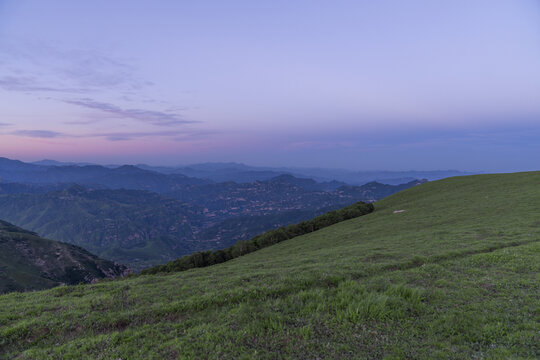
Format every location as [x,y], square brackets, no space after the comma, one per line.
[361,85]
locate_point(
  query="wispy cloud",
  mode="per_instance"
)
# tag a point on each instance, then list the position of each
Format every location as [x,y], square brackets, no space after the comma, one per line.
[32,84]
[123,136]
[37,67]
[118,138]
[175,135]
[321,144]
[5,124]
[149,116]
[90,69]
[81,122]
[38,133]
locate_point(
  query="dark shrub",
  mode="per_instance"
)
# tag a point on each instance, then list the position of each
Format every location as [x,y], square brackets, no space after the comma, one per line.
[243,247]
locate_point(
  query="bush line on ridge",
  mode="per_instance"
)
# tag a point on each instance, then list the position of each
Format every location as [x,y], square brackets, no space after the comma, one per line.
[271,237]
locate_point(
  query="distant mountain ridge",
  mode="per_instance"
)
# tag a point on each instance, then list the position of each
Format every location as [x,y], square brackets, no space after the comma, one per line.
[220,172]
[126,176]
[28,262]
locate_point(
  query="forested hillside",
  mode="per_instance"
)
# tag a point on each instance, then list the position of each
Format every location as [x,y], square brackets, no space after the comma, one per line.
[28,262]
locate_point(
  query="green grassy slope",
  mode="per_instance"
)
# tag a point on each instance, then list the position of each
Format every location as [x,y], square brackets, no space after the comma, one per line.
[454,276]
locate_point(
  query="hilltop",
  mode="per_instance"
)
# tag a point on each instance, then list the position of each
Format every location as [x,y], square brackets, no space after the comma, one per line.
[28,262]
[443,270]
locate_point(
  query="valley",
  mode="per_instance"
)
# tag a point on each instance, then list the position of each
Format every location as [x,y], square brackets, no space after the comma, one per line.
[142,228]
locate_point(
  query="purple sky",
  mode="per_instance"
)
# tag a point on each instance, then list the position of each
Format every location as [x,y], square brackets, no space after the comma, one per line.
[393,85]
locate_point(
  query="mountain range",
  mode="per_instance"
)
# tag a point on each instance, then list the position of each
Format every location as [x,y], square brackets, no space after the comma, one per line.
[143,216]
[241,173]
[142,228]
[122,177]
